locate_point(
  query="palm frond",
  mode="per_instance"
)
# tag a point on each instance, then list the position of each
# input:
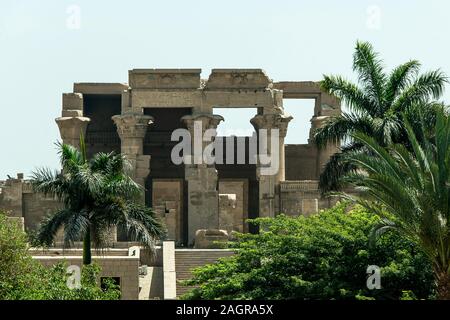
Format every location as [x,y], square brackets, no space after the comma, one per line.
[400,78]
[379,229]
[409,186]
[75,227]
[337,129]
[50,226]
[427,86]
[48,182]
[70,157]
[370,73]
[338,165]
[350,94]
[147,217]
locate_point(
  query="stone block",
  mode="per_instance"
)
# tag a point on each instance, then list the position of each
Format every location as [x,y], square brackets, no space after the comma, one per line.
[72,113]
[210,239]
[169,275]
[99,87]
[165,99]
[255,79]
[164,78]
[233,195]
[126,101]
[72,101]
[310,206]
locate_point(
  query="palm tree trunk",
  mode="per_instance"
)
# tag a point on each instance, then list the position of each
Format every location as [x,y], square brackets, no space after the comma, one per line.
[443,285]
[87,259]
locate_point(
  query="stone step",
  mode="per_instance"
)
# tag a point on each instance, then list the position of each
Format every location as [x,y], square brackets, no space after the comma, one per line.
[186,260]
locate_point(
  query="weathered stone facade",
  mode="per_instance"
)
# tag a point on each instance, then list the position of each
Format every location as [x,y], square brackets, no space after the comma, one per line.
[138,118]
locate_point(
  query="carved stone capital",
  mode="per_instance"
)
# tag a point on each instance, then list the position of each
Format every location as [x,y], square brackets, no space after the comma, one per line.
[70,129]
[132,128]
[272,121]
[132,125]
[208,121]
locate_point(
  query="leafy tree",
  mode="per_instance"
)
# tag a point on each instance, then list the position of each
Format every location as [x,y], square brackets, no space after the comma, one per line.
[375,107]
[324,256]
[410,191]
[22,278]
[15,262]
[97,194]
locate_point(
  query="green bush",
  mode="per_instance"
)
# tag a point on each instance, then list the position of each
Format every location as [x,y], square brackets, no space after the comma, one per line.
[22,278]
[324,256]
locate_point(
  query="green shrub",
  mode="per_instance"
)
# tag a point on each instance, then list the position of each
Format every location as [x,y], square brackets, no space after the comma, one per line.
[324,256]
[22,278]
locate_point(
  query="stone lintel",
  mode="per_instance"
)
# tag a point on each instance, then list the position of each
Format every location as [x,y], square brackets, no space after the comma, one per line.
[299,89]
[169,70]
[174,98]
[238,79]
[99,88]
[243,98]
[326,104]
[167,98]
[164,78]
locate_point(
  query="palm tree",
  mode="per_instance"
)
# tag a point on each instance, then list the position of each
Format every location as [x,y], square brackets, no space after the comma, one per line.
[97,195]
[375,106]
[410,191]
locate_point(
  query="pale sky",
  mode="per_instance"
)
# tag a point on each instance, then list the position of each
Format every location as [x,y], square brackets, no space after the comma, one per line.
[47,45]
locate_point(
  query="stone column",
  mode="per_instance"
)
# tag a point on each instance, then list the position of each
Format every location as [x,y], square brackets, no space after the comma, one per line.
[72,123]
[270,122]
[282,124]
[324,153]
[203,202]
[267,183]
[132,128]
[326,106]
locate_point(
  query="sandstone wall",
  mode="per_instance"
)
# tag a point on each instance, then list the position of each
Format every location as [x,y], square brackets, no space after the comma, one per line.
[125,268]
[18,200]
[301,162]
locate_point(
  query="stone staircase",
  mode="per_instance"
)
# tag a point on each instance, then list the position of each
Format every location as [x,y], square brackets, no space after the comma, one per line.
[188,259]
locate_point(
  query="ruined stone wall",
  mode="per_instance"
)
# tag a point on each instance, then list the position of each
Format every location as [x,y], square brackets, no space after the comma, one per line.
[35,207]
[301,162]
[168,204]
[302,197]
[125,268]
[11,192]
[156,101]
[17,199]
[233,205]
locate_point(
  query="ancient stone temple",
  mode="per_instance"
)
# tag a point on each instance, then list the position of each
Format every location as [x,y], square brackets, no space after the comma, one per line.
[137,118]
